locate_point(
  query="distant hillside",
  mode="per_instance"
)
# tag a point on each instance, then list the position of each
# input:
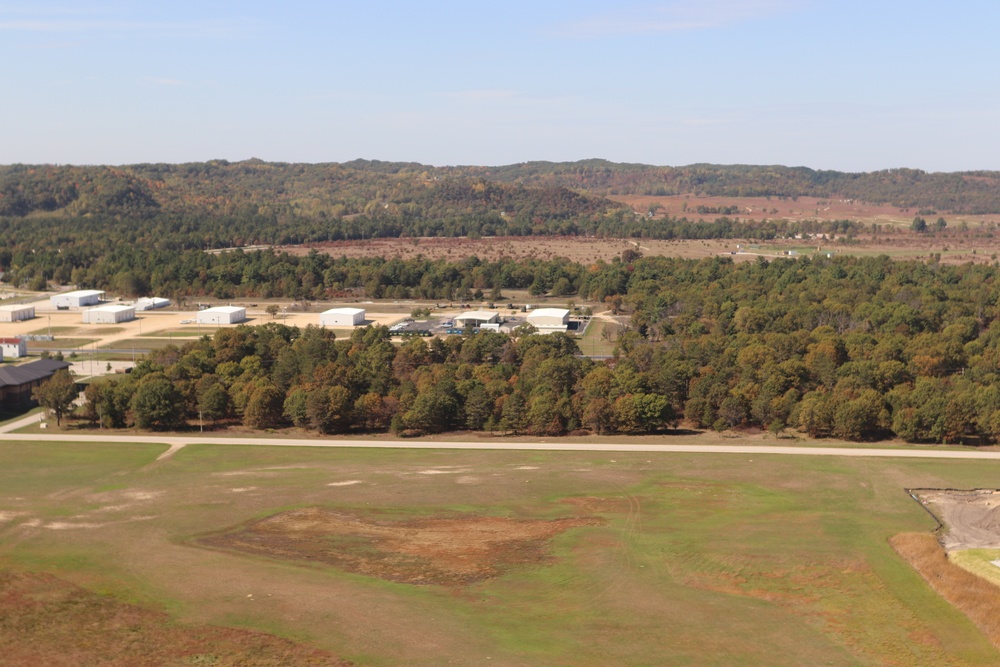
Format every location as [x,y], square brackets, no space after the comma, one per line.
[975,192]
[531,190]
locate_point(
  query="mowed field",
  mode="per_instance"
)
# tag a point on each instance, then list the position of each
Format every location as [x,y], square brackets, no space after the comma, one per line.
[393,557]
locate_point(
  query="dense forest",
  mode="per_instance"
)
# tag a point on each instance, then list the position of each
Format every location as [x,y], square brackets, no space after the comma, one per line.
[857,348]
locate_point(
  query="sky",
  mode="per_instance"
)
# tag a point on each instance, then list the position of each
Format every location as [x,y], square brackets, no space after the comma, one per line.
[829,84]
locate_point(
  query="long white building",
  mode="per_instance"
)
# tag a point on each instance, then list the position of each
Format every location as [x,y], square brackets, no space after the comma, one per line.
[222,315]
[549,320]
[77,299]
[109,314]
[149,303]
[16,313]
[342,317]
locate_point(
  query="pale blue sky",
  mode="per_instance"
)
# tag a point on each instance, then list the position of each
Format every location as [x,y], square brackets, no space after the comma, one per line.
[845,84]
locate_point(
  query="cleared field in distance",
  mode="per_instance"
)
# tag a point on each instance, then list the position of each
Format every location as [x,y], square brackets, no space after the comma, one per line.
[954,249]
[650,558]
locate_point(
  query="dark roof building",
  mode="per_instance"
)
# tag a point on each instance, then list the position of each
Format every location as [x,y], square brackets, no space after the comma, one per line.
[17,382]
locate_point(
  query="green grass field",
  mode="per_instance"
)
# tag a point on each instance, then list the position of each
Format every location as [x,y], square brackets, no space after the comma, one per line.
[703,559]
[593,343]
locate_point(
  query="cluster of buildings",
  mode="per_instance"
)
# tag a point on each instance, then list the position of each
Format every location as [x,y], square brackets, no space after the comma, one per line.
[544,320]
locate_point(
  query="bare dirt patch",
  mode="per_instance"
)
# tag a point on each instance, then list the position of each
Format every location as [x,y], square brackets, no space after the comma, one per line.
[449,551]
[45,620]
[970,519]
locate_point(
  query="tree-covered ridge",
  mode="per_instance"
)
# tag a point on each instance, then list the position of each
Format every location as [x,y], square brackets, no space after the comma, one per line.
[255,188]
[975,192]
[331,190]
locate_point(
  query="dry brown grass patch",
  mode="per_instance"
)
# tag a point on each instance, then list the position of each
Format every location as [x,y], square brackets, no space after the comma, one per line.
[975,597]
[47,621]
[451,551]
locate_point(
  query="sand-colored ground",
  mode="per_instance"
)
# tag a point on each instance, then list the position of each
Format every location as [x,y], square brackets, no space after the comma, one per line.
[971,519]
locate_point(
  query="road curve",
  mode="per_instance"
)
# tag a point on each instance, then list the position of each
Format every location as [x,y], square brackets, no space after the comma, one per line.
[178,442]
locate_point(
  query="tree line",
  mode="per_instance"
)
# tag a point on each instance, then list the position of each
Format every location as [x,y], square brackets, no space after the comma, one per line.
[856,348]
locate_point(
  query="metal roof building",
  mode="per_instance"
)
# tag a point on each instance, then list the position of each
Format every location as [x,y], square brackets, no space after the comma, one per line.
[16,313]
[342,317]
[108,314]
[476,318]
[77,299]
[17,382]
[222,315]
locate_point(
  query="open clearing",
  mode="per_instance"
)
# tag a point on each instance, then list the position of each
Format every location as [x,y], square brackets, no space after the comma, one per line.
[953,248]
[630,558]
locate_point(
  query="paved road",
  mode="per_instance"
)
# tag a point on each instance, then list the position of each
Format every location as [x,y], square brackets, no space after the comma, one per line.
[178,442]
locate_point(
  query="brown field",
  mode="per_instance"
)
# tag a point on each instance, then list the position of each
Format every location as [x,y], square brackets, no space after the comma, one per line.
[448,551]
[803,208]
[974,596]
[953,248]
[45,620]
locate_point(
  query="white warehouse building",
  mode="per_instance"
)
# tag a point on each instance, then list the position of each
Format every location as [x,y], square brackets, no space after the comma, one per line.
[78,299]
[149,303]
[109,314]
[16,313]
[222,315]
[342,317]
[476,318]
[549,320]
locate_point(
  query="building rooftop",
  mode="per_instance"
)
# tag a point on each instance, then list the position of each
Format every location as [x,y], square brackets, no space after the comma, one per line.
[112,308]
[30,372]
[477,315]
[82,292]
[223,309]
[344,311]
[549,312]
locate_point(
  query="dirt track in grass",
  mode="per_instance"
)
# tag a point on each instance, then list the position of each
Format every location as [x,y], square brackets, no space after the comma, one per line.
[448,550]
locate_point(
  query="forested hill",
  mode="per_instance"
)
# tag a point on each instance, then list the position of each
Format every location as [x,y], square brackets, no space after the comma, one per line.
[960,192]
[302,191]
[531,191]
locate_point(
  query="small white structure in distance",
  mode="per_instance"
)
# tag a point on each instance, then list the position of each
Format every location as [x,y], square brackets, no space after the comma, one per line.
[476,318]
[549,320]
[16,313]
[151,302]
[13,348]
[77,299]
[222,315]
[109,314]
[342,317]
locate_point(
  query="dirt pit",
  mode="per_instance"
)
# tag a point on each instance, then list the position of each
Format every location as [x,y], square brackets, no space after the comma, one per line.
[971,519]
[447,551]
